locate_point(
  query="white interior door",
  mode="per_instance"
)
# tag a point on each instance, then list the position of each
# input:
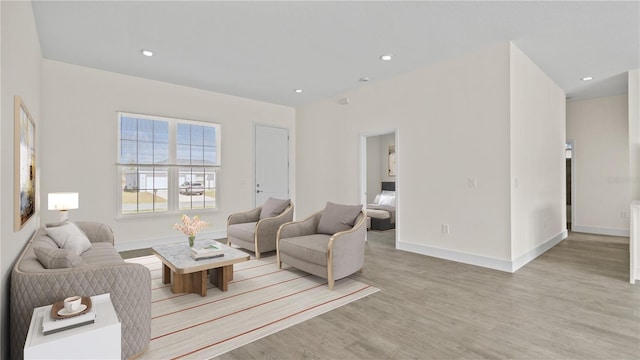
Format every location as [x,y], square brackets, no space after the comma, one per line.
[272,163]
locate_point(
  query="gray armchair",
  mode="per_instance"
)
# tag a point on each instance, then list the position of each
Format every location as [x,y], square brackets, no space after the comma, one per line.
[312,244]
[256,229]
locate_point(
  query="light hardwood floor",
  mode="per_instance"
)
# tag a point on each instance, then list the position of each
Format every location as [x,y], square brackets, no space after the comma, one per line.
[573,302]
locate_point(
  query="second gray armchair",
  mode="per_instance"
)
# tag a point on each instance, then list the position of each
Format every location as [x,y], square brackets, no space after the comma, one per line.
[329,244]
[256,229]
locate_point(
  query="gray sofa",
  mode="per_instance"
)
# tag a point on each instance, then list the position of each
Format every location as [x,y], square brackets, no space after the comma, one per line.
[103,271]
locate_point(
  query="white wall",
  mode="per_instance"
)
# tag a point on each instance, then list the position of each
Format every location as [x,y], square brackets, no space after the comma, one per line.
[538,208]
[599,129]
[21,62]
[634,133]
[453,122]
[634,170]
[80,139]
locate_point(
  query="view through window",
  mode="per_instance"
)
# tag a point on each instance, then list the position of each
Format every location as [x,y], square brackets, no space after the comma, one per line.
[167,164]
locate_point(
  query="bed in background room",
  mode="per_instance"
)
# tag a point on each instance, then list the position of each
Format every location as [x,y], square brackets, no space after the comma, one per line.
[381,215]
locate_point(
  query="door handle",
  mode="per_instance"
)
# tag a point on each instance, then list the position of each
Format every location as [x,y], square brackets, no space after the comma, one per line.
[258,191]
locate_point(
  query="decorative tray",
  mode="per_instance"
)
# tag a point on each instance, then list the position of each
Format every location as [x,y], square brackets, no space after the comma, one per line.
[58,306]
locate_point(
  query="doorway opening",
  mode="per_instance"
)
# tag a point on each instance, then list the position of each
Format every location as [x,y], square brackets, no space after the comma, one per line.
[569,163]
[379,185]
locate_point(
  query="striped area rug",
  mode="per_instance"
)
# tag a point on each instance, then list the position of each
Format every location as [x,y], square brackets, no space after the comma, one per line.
[261,300]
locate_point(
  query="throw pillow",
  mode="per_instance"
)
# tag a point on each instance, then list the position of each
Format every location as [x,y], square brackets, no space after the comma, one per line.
[65,222]
[387,200]
[69,236]
[336,218]
[57,258]
[273,207]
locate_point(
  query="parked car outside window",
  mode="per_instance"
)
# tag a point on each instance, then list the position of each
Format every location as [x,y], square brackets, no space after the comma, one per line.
[189,188]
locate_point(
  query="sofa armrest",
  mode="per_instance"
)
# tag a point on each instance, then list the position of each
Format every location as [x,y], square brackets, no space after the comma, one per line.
[304,227]
[245,217]
[96,231]
[129,285]
[346,248]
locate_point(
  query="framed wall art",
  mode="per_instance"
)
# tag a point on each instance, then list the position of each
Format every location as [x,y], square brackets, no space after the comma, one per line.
[391,161]
[25,164]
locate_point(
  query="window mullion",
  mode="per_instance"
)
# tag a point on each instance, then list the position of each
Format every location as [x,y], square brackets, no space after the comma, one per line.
[173,171]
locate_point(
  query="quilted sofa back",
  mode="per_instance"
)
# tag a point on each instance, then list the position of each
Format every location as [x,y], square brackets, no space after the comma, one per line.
[32,285]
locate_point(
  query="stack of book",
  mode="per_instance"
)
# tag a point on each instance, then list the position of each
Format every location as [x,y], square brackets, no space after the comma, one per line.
[51,325]
[207,252]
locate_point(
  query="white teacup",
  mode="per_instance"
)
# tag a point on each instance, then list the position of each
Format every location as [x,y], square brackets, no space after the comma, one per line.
[72,303]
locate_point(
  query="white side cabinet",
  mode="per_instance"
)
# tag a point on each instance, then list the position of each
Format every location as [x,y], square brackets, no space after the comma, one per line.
[100,340]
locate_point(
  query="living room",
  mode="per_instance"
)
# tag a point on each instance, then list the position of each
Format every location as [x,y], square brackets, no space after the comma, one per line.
[509,135]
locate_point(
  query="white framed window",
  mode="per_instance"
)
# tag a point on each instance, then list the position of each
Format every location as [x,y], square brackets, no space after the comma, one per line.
[166,165]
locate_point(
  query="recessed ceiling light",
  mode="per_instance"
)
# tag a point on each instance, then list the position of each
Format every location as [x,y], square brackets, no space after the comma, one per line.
[298,91]
[147,52]
[364,79]
[386,57]
[587,78]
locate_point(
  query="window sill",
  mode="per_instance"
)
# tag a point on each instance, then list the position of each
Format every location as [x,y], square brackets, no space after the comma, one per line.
[173,214]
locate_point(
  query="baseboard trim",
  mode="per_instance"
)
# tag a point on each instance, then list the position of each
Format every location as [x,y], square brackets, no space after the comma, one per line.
[147,243]
[527,257]
[458,256]
[483,261]
[636,281]
[601,230]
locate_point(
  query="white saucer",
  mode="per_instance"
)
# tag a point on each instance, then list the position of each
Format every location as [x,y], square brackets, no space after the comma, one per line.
[63,311]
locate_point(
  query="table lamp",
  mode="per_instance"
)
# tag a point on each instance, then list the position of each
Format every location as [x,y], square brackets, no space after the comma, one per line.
[63,202]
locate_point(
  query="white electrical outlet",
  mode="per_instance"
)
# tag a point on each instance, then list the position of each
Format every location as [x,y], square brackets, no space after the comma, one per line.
[473,182]
[445,228]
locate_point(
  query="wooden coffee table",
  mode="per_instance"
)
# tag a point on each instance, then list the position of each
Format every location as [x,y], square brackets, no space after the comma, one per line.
[190,276]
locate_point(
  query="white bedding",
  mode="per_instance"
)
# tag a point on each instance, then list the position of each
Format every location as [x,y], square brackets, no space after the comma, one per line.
[382,212]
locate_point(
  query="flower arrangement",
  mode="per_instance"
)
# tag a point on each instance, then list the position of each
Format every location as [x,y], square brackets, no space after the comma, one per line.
[190,227]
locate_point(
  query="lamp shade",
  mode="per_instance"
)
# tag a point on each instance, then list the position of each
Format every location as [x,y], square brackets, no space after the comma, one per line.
[63,201]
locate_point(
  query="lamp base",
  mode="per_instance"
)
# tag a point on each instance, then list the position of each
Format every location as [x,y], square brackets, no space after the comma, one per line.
[64,215]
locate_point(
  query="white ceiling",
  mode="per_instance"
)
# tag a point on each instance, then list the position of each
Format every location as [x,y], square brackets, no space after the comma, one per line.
[265,50]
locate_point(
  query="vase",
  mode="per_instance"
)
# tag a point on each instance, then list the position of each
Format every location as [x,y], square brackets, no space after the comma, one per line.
[192,240]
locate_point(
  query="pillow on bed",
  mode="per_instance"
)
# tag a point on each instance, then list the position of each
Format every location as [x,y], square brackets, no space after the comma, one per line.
[387,200]
[388,192]
[377,199]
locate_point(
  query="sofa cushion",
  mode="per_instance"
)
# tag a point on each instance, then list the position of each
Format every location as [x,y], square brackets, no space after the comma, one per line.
[69,236]
[336,218]
[273,207]
[102,253]
[243,231]
[310,248]
[57,258]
